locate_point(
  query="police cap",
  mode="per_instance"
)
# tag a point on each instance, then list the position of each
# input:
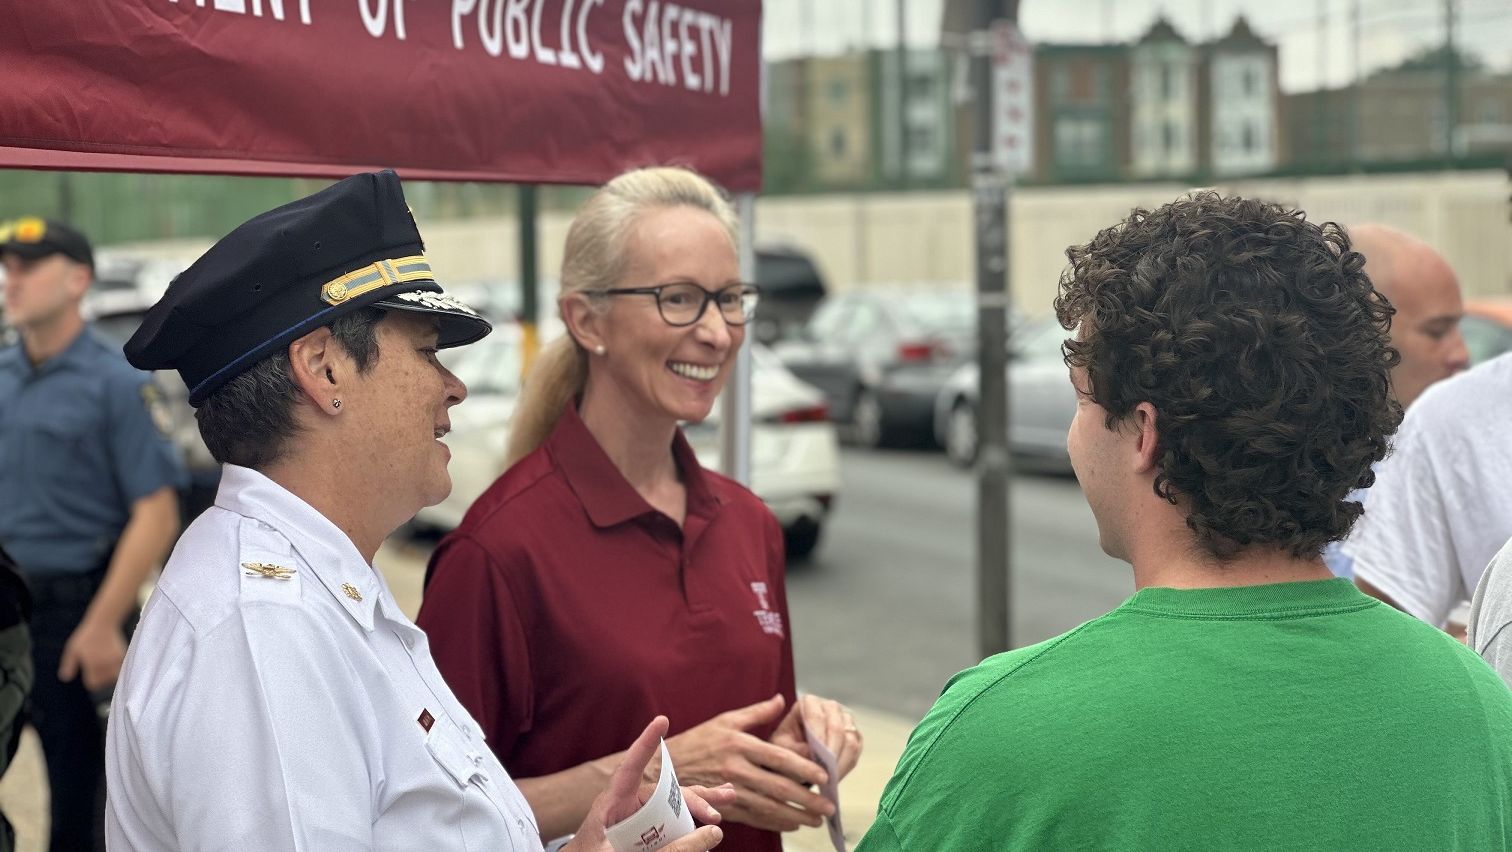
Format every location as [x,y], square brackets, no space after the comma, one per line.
[290,271]
[32,238]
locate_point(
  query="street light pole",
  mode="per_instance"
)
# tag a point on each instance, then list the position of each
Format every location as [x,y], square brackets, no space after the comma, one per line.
[990,200]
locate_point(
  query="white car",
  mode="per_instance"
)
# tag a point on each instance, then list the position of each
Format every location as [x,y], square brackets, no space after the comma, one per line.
[795,457]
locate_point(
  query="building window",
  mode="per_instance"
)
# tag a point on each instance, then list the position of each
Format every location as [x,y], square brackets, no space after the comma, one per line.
[920,139]
[1081,142]
[837,142]
[838,92]
[1169,135]
[920,87]
[1250,82]
[1248,141]
[1167,82]
[1060,83]
[1490,112]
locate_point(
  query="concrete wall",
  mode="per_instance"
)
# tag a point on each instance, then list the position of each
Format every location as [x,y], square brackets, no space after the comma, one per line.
[926,238]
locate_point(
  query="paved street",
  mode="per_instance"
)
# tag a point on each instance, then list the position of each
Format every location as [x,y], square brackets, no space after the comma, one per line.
[884,615]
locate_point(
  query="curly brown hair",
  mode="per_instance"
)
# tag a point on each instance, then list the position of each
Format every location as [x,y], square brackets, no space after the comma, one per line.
[1264,349]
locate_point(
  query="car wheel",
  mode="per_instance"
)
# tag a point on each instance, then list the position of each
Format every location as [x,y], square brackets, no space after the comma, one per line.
[800,539]
[866,420]
[961,434]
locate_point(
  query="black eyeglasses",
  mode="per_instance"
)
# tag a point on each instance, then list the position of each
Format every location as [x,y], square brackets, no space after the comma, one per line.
[683,303]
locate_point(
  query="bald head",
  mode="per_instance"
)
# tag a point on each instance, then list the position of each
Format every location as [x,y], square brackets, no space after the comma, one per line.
[1423,288]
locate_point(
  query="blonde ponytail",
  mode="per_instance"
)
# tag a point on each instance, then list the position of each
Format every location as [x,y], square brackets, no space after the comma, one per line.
[594,259]
[558,374]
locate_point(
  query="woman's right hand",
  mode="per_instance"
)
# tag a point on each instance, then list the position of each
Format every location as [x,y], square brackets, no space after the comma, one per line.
[771,782]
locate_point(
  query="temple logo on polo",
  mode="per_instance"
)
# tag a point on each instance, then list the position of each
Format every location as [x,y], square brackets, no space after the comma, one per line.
[290,271]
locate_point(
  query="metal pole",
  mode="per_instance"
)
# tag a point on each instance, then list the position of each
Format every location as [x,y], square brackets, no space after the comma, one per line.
[901,78]
[1451,83]
[735,402]
[1357,89]
[990,199]
[66,199]
[530,308]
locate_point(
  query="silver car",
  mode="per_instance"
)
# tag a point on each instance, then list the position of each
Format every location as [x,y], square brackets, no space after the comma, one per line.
[1041,402]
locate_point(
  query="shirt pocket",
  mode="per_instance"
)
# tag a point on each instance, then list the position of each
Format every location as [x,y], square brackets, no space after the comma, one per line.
[60,456]
[486,821]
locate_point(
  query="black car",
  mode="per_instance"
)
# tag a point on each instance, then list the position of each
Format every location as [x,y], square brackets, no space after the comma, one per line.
[791,289]
[881,358]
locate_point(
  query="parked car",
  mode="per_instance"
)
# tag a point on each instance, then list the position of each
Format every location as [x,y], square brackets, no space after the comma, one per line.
[795,460]
[791,290]
[1487,328]
[881,357]
[1041,402]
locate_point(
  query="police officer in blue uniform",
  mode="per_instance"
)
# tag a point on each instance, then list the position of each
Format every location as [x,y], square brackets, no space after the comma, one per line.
[88,504]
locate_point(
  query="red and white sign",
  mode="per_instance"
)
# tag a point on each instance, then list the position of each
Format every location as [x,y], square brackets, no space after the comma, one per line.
[561,91]
[1012,100]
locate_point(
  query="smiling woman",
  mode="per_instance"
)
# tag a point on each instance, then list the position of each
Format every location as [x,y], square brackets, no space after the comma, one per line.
[606,510]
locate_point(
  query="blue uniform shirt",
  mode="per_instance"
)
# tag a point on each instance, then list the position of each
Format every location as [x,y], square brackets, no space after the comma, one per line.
[78,446]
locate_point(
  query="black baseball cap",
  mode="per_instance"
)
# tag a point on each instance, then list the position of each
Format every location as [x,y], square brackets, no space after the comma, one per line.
[32,238]
[290,271]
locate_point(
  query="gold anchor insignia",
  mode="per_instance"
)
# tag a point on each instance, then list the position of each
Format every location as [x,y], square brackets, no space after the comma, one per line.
[351,591]
[262,569]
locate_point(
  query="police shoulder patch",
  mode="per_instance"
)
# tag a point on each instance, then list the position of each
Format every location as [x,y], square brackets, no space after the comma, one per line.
[156,404]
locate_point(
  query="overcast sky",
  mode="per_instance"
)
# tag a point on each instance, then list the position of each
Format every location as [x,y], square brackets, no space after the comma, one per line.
[1390,30]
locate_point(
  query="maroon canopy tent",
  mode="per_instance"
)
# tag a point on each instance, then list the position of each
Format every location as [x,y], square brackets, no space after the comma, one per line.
[530,91]
[525,91]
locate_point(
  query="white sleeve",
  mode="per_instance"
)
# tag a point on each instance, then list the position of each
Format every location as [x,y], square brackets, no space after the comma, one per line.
[265,744]
[1491,615]
[1404,543]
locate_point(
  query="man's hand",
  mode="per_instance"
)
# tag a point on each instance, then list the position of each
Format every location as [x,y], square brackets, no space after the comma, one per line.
[95,650]
[771,782]
[623,798]
[831,724]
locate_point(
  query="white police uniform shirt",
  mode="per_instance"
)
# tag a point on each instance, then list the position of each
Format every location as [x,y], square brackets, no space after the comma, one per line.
[258,713]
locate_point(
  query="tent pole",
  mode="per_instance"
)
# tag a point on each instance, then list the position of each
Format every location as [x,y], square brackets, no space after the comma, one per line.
[735,403]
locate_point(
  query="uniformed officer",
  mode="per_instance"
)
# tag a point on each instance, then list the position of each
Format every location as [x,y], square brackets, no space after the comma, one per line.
[87,504]
[275,696]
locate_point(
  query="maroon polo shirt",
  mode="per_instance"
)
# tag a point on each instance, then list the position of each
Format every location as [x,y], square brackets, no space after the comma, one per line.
[566,612]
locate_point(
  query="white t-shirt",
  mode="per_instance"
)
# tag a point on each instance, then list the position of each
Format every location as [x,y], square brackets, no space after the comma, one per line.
[1442,503]
[1491,615]
[275,698]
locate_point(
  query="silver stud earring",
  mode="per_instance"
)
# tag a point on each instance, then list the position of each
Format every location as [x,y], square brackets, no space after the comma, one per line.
[335,403]
[599,349]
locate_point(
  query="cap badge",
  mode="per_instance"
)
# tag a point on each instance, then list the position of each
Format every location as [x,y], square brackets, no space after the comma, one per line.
[381,273]
[272,572]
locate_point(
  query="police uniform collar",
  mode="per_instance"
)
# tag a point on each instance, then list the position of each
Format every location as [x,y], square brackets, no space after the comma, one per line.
[74,354]
[327,551]
[607,496]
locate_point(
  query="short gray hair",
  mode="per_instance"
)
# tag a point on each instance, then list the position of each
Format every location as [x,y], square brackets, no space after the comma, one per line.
[249,420]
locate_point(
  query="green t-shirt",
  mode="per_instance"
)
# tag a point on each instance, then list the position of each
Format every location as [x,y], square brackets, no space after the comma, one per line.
[1289,716]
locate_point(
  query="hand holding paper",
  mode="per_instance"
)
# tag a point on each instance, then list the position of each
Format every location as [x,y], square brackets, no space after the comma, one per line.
[771,779]
[668,818]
